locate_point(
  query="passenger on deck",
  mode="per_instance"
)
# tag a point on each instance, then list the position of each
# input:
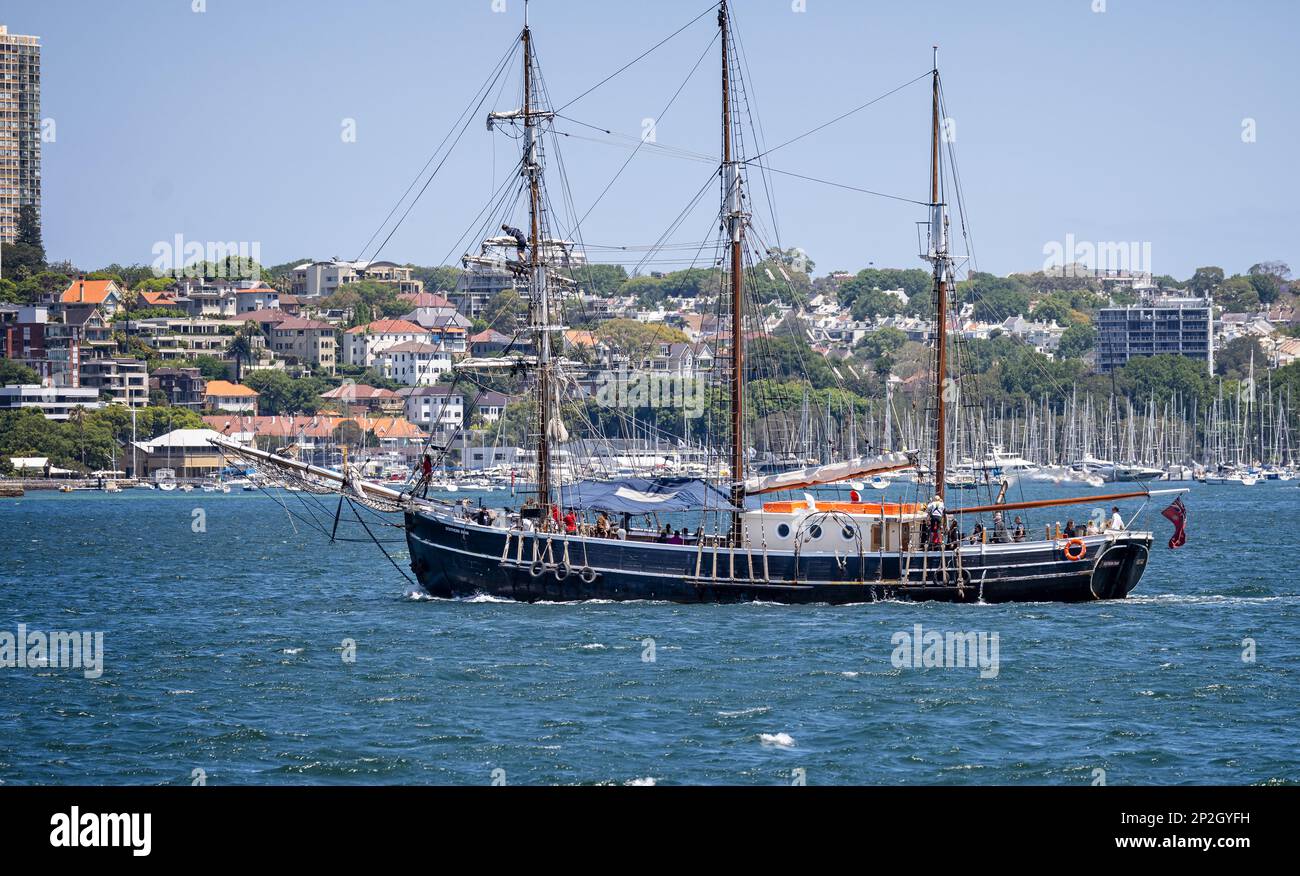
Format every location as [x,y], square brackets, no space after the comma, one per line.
[1070,531]
[663,536]
[1000,534]
[570,522]
[1116,522]
[676,538]
[602,526]
[1018,533]
[954,535]
[977,534]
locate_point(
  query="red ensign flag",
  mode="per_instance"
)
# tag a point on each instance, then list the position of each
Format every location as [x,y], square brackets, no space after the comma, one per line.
[1177,515]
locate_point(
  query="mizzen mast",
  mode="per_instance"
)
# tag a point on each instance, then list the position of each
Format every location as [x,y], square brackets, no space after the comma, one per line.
[733,210]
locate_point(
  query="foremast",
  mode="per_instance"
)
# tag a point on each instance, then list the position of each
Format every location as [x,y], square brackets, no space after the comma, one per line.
[535,266]
[937,254]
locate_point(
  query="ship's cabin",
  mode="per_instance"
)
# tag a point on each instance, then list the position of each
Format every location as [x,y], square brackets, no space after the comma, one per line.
[840,527]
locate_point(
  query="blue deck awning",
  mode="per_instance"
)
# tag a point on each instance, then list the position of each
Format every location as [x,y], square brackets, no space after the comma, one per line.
[645,495]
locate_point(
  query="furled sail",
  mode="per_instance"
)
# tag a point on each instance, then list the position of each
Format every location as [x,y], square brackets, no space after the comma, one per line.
[832,473]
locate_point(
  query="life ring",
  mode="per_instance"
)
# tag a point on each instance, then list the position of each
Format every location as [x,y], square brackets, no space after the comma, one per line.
[537,569]
[1075,543]
[587,574]
[561,570]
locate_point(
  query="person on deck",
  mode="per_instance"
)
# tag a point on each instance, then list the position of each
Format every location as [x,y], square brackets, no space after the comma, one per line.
[570,522]
[954,535]
[1116,522]
[977,534]
[602,526]
[1018,533]
[1000,529]
[676,538]
[1070,531]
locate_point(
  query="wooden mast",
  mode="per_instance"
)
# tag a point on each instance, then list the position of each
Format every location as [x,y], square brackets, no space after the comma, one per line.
[736,228]
[541,309]
[939,256]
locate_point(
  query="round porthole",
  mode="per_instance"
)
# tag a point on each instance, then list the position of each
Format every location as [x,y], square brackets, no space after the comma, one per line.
[849,533]
[783,531]
[814,532]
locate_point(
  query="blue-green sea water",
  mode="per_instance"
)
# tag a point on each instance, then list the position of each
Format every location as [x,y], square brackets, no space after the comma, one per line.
[226,651]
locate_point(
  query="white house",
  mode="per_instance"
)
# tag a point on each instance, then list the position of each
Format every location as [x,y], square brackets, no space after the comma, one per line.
[363,344]
[439,409]
[414,363]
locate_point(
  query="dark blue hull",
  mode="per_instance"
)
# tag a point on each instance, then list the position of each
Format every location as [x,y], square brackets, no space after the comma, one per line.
[452,558]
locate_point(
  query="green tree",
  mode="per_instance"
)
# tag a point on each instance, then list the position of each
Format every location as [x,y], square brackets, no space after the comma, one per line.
[1234,359]
[1077,340]
[16,374]
[505,310]
[241,347]
[1205,280]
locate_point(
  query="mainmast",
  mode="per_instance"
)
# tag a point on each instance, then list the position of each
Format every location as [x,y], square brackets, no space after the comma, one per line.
[537,280]
[938,256]
[735,218]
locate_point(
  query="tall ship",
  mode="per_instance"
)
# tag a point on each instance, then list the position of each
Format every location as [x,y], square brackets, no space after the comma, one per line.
[743,532]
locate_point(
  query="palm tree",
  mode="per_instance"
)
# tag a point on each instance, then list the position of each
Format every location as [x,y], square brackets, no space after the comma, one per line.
[241,347]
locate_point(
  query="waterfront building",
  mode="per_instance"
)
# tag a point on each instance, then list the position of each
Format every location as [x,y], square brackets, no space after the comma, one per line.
[20,133]
[187,452]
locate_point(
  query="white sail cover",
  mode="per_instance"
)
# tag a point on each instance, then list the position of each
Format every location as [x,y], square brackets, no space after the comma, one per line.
[829,474]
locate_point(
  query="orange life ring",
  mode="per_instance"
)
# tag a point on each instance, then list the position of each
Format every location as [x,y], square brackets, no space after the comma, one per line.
[1075,543]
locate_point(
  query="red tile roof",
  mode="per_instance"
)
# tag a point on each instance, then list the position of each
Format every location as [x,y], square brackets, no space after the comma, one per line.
[320,426]
[89,291]
[389,327]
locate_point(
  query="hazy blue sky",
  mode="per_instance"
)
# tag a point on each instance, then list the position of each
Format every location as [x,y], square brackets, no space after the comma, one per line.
[1123,125]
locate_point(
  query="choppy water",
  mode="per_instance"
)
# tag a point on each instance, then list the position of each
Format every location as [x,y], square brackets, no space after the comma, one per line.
[224,652]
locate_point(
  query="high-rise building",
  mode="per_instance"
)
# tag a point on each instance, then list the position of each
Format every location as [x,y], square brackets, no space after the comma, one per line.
[1157,325]
[20,128]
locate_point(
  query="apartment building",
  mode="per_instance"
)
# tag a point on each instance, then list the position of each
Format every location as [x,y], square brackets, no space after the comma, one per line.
[321,279]
[305,342]
[20,128]
[126,381]
[1157,325]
